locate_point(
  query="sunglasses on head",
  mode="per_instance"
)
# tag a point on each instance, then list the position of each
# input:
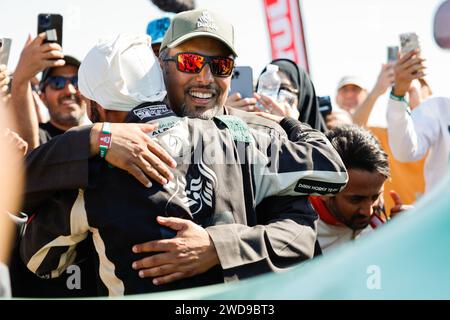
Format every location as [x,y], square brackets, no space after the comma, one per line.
[189,62]
[59,83]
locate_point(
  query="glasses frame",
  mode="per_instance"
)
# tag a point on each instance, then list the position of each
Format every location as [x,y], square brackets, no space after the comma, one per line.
[208,60]
[72,79]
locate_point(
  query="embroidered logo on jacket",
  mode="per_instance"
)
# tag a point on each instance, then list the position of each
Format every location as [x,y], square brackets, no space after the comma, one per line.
[196,191]
[152,112]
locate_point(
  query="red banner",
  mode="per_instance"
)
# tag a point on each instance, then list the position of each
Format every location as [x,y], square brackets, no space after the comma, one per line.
[285,25]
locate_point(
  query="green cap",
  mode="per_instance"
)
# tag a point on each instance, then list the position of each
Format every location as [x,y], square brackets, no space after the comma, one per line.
[198,23]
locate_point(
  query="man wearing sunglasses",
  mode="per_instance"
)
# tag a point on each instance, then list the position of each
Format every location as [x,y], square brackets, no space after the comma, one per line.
[60,94]
[197,58]
[58,91]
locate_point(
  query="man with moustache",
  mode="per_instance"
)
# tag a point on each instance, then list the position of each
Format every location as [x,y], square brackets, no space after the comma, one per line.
[358,208]
[60,94]
[197,59]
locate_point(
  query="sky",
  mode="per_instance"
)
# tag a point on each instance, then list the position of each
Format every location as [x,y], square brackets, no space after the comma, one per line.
[343,37]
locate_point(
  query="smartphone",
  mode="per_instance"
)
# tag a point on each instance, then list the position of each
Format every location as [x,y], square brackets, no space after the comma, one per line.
[51,24]
[392,54]
[325,106]
[242,81]
[409,42]
[5,48]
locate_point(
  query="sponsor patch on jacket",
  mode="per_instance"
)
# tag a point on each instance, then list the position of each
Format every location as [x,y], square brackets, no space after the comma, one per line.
[238,128]
[320,187]
[153,112]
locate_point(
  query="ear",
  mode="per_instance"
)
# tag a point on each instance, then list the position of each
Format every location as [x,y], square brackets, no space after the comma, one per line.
[43,97]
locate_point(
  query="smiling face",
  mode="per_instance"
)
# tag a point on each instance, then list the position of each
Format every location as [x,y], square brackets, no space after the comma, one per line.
[197,95]
[354,205]
[65,106]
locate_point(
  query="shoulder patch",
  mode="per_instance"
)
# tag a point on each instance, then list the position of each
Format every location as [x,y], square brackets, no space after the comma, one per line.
[238,128]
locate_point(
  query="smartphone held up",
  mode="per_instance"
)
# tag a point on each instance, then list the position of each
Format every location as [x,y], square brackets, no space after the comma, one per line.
[409,42]
[392,54]
[51,24]
[5,48]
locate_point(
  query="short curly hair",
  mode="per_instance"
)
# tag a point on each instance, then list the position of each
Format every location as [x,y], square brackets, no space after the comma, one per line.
[359,149]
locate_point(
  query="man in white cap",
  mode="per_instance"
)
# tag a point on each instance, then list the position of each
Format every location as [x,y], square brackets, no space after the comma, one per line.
[350,93]
[120,212]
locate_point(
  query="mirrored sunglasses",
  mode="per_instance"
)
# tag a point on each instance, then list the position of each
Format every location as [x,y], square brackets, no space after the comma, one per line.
[189,62]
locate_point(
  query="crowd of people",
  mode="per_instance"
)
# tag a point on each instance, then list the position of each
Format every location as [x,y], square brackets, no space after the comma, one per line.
[148,176]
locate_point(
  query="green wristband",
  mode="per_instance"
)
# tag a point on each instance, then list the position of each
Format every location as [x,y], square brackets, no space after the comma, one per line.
[397,98]
[105,139]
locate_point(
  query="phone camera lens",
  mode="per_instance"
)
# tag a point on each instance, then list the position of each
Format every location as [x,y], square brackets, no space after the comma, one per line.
[44,20]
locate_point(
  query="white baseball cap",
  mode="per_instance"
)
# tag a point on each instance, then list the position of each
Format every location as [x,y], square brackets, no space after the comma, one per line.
[351,80]
[121,73]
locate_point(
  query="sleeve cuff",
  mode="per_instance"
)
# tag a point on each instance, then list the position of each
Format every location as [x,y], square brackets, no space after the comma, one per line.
[226,245]
[289,124]
[397,109]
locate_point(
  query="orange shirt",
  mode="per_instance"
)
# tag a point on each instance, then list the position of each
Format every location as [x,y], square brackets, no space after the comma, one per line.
[407,178]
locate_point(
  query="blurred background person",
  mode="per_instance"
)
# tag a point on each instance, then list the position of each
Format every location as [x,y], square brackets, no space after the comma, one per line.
[401,172]
[424,129]
[156,29]
[58,91]
[351,93]
[296,97]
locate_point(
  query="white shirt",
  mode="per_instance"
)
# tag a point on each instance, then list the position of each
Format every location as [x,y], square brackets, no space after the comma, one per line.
[5,286]
[331,236]
[425,129]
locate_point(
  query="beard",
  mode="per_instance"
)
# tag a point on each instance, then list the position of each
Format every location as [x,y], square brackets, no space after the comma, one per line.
[70,118]
[200,113]
[356,221]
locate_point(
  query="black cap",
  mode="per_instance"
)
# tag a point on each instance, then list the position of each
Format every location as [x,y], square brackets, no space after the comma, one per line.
[71,61]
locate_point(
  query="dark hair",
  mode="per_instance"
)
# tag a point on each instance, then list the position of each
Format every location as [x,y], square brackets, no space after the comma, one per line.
[359,149]
[174,5]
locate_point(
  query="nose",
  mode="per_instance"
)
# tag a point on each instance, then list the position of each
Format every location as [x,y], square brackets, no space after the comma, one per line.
[205,76]
[366,209]
[70,88]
